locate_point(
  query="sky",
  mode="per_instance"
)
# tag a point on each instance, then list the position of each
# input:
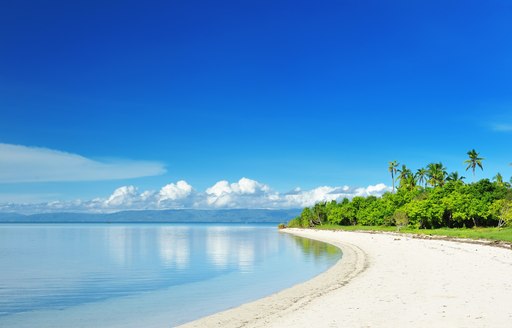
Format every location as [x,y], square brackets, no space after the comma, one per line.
[213,104]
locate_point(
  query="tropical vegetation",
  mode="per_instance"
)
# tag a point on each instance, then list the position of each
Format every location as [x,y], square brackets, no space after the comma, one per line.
[428,198]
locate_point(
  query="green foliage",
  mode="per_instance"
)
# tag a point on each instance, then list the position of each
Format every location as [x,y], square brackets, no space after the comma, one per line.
[473,161]
[400,219]
[295,223]
[502,209]
[444,201]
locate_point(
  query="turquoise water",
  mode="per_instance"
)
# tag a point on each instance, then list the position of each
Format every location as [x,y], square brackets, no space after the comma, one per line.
[154,275]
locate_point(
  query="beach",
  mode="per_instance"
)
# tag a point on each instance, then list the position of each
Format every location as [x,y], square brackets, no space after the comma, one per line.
[389,280]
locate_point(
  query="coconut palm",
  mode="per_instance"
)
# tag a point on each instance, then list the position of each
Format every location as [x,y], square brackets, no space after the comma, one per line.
[454,176]
[436,174]
[421,175]
[474,161]
[407,178]
[409,182]
[392,168]
[499,180]
[403,173]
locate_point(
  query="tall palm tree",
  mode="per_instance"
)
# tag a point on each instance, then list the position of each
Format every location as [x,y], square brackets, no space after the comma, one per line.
[474,161]
[421,175]
[407,178]
[409,182]
[392,168]
[403,173]
[436,174]
[454,176]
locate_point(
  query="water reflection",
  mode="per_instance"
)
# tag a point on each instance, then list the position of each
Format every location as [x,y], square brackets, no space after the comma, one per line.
[61,267]
[217,246]
[246,256]
[225,248]
[119,243]
[315,249]
[174,246]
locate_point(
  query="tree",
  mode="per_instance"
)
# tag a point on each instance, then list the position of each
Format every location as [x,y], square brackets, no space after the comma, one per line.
[401,219]
[421,175]
[450,203]
[436,174]
[457,208]
[306,218]
[473,161]
[502,210]
[498,178]
[454,176]
[319,214]
[407,178]
[403,173]
[392,168]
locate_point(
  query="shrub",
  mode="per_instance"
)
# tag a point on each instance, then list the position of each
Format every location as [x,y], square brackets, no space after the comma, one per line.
[401,219]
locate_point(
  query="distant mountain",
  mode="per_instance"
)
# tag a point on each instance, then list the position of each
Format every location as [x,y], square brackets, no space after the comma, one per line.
[170,216]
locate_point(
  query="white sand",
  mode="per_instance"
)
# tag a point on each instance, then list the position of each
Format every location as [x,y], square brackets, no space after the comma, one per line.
[389,281]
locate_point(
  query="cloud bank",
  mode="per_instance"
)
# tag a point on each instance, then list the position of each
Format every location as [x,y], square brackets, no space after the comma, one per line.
[245,193]
[31,164]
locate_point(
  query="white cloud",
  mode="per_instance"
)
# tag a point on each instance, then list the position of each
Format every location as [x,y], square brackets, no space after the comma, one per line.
[502,127]
[175,191]
[32,164]
[376,190]
[245,193]
[125,195]
[303,198]
[175,195]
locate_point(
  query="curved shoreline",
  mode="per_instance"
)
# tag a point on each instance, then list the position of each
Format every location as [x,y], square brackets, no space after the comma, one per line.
[388,280]
[263,311]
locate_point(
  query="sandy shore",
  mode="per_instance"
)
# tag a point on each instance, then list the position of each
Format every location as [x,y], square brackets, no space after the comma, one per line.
[389,281]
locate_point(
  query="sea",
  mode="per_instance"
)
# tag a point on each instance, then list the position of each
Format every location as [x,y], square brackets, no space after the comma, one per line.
[145,275]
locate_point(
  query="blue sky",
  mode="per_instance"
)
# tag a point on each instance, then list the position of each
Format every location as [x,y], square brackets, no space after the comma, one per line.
[286,93]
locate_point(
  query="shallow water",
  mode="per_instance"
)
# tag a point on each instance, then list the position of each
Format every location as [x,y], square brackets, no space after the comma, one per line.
[156,275]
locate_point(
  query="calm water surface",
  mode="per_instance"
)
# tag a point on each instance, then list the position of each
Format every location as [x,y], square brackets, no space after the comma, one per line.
[155,275]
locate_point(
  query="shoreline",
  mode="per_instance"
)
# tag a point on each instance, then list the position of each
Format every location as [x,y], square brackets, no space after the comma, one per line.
[388,280]
[263,311]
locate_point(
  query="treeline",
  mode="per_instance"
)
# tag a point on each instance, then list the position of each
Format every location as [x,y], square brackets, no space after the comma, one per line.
[429,198]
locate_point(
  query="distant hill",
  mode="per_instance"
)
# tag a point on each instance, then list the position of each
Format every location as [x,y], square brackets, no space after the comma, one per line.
[170,216]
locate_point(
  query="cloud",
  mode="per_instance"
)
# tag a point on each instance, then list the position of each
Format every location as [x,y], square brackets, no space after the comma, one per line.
[245,193]
[502,127]
[32,164]
[300,198]
[123,196]
[175,191]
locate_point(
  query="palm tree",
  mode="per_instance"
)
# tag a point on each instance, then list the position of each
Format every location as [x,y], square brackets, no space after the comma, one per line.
[436,174]
[499,180]
[421,174]
[409,182]
[403,173]
[407,178]
[392,169]
[454,176]
[474,161]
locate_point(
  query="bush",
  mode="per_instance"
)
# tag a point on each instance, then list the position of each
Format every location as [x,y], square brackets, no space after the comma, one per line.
[401,219]
[295,223]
